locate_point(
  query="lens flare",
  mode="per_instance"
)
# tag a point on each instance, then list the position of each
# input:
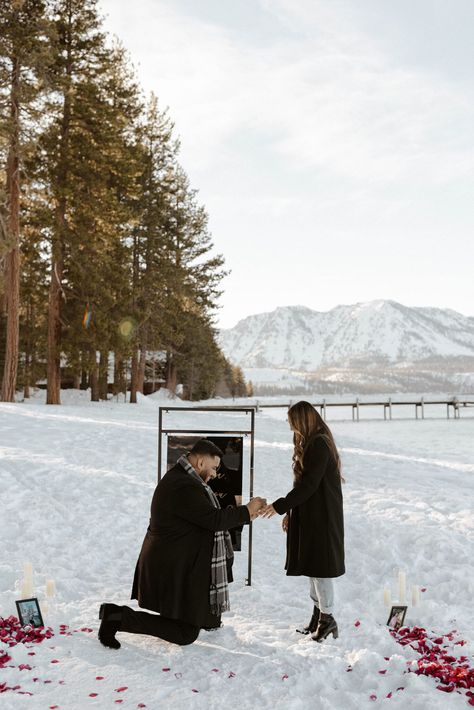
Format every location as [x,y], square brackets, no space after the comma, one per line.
[86,321]
[126,327]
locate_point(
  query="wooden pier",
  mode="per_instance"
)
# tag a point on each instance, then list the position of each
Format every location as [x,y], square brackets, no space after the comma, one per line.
[453,406]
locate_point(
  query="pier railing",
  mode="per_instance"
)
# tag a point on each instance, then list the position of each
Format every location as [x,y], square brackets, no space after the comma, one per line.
[453,406]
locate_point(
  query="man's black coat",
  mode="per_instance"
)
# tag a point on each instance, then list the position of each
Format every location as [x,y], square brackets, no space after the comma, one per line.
[173,571]
[315,538]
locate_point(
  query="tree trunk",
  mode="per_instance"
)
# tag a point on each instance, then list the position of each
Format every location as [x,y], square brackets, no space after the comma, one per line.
[134,377]
[94,378]
[54,331]
[141,368]
[103,374]
[12,259]
[118,375]
[57,261]
[77,381]
[84,373]
[171,374]
[27,368]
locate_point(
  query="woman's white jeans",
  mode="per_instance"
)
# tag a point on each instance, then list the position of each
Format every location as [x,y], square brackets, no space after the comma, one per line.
[321,591]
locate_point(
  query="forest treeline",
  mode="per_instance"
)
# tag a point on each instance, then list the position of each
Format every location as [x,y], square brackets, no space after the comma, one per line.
[107,267]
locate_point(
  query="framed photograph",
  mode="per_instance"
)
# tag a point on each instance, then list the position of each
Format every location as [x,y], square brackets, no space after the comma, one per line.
[396,617]
[29,612]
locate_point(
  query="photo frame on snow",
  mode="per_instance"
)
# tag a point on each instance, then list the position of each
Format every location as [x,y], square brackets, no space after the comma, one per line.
[29,612]
[396,618]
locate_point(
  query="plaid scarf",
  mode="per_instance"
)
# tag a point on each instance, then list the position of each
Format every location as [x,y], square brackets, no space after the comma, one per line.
[222,550]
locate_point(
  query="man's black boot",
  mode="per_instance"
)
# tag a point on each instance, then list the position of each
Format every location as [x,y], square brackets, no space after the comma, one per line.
[313,624]
[327,625]
[111,616]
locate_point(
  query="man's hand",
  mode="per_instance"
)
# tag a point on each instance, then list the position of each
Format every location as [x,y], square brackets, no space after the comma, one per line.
[284,523]
[254,506]
[268,511]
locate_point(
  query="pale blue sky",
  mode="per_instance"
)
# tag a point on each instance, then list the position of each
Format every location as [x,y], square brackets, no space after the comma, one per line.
[331,142]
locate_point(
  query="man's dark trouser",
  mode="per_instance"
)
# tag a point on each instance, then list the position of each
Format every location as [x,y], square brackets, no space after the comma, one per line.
[172,630]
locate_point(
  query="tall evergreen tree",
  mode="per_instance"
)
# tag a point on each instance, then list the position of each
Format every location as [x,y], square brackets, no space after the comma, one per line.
[78,59]
[150,266]
[24,31]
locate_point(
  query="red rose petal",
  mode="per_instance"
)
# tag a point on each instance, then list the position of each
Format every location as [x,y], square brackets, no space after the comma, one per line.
[166,670]
[284,677]
[373,697]
[141,705]
[120,690]
[357,623]
[215,670]
[55,660]
[194,690]
[99,677]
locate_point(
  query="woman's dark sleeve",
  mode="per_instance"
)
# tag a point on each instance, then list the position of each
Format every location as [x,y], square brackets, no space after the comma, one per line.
[315,463]
[193,505]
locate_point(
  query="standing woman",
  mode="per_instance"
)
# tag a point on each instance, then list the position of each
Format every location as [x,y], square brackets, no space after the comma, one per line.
[314,515]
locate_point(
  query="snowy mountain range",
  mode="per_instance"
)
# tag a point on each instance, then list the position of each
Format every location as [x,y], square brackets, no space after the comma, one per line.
[378,335]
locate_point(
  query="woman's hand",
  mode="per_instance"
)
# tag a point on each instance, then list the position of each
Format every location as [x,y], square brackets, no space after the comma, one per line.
[267,512]
[284,523]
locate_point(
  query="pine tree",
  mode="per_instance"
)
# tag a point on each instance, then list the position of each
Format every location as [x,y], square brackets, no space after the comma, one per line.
[24,32]
[191,290]
[78,54]
[150,265]
[103,185]
[34,296]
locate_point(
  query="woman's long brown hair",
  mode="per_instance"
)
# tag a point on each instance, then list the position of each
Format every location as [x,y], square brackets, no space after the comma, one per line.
[308,425]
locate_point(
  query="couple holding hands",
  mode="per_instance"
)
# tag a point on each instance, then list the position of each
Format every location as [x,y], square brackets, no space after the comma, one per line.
[185,563]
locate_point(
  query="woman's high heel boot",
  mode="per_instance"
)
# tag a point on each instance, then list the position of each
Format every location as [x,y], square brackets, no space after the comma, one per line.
[327,625]
[313,623]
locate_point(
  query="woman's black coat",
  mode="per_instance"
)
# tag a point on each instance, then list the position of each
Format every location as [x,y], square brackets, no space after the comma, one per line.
[173,571]
[315,537]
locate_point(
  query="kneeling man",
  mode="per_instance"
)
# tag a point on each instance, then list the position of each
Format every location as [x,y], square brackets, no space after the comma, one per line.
[185,562]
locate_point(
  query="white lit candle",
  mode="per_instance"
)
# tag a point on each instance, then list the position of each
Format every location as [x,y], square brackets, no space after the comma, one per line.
[50,588]
[28,570]
[26,588]
[415,595]
[402,586]
[387,597]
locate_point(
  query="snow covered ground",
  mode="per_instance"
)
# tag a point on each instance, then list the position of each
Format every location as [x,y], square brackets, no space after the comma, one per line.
[76,483]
